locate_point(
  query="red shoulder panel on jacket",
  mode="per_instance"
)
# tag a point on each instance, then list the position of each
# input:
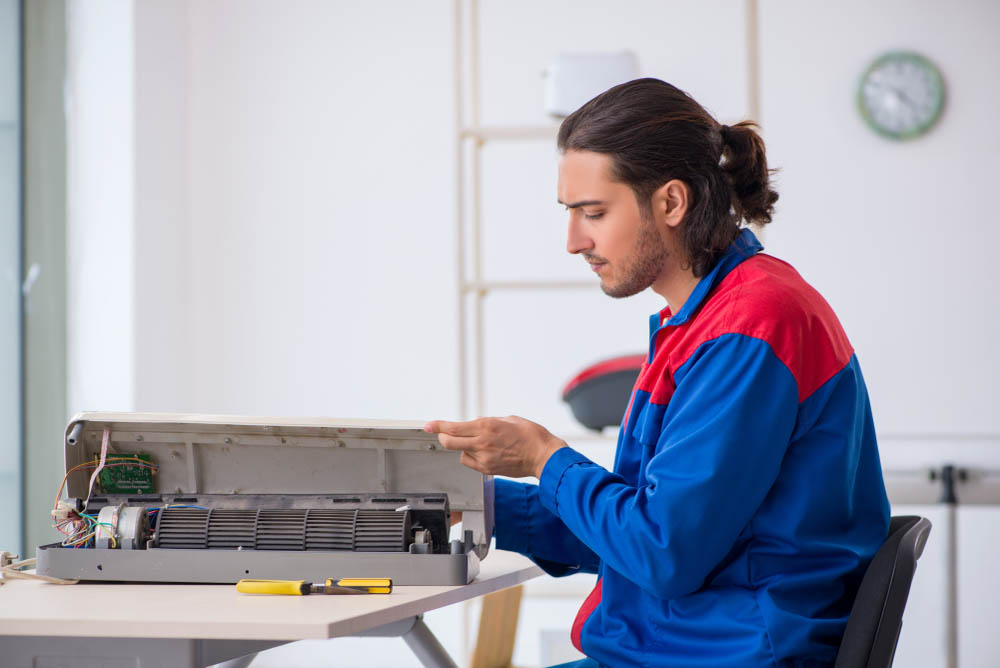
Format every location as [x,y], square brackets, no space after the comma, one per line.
[767,299]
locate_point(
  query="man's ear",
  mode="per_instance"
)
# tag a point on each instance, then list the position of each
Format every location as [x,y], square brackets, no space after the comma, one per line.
[671,201]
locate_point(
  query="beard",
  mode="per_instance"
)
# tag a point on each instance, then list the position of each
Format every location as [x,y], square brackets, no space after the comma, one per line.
[644,265]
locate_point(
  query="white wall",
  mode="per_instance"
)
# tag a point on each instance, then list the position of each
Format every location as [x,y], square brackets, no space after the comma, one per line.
[162,205]
[262,221]
[223,177]
[314,257]
[100,234]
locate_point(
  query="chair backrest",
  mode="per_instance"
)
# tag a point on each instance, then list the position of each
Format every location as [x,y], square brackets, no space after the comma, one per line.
[877,615]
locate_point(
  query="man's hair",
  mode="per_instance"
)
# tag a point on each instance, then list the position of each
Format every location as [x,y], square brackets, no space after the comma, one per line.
[655,132]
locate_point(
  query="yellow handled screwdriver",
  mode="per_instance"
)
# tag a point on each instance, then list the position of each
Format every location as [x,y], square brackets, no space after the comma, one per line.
[301,587]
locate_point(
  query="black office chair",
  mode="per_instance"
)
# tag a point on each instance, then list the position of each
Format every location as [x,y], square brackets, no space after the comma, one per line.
[877,615]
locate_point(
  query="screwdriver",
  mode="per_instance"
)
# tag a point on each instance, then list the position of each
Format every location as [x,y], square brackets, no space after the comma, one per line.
[301,587]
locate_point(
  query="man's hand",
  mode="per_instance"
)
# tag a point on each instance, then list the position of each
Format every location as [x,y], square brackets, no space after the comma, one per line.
[509,446]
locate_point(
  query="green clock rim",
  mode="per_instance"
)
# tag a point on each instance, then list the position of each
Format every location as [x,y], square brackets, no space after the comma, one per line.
[939,90]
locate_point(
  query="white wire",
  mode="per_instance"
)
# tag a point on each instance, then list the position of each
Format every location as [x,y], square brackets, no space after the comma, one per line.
[11,572]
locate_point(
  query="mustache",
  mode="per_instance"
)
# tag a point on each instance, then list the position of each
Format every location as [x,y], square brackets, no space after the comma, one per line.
[590,257]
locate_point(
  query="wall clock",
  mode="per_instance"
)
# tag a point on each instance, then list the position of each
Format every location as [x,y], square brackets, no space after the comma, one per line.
[901,95]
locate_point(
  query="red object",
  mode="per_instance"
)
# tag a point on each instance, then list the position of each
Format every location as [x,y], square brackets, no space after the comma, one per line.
[599,395]
[623,363]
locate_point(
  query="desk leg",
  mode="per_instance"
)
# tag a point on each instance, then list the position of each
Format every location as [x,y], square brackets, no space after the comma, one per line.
[427,648]
[241,662]
[420,640]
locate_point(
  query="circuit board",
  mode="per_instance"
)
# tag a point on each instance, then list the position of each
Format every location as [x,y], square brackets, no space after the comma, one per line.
[126,479]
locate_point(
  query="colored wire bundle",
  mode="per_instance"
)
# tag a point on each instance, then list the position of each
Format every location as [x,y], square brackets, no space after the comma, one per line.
[79,527]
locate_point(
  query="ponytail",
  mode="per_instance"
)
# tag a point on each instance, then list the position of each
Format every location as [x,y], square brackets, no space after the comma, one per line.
[744,163]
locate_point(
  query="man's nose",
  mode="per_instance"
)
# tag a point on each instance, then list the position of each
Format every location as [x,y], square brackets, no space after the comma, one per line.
[576,240]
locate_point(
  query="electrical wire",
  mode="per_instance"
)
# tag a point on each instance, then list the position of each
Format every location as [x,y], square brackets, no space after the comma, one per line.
[105,442]
[13,572]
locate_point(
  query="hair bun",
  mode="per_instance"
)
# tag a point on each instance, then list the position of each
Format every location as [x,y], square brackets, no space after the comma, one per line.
[744,162]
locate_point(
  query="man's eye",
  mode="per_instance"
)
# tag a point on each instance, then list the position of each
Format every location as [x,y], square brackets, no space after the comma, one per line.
[593,216]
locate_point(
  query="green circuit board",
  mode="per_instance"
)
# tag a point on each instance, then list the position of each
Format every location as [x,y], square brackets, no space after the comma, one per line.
[128,479]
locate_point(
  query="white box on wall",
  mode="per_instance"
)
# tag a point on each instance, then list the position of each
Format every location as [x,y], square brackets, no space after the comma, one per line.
[574,78]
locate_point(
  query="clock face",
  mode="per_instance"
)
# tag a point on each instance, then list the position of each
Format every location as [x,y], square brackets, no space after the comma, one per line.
[901,95]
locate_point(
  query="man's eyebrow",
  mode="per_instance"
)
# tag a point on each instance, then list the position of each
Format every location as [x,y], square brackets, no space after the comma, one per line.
[577,205]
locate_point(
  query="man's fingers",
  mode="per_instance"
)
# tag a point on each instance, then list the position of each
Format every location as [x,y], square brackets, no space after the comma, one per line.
[470,428]
[458,442]
[472,462]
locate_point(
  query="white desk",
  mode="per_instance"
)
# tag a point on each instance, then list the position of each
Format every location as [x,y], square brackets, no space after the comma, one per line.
[190,626]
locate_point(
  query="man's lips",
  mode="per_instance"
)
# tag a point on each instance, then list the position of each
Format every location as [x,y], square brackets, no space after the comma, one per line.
[596,266]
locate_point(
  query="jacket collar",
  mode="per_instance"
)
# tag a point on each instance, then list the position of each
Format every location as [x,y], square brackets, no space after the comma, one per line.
[744,247]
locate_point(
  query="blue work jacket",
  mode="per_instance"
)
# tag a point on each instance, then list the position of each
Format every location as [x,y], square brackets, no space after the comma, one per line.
[746,498]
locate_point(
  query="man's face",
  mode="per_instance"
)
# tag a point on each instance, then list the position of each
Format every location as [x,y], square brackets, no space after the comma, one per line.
[607,227]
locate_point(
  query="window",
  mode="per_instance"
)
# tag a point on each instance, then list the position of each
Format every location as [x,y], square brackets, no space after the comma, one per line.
[10,277]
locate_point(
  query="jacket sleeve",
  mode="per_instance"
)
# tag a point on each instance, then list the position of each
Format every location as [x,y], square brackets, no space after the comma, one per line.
[717,454]
[522,525]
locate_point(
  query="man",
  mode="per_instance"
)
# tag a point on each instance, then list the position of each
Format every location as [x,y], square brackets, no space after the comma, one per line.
[747,497]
